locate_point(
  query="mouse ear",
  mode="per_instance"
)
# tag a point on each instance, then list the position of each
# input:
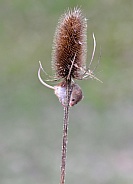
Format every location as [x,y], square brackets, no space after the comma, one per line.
[40,79]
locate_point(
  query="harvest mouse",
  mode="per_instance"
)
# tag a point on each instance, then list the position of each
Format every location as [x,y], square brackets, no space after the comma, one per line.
[60,91]
[76,93]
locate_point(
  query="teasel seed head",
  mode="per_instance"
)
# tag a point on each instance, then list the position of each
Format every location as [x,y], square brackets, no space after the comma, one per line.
[69,46]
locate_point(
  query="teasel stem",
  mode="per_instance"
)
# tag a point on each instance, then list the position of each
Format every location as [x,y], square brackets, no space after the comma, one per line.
[65,132]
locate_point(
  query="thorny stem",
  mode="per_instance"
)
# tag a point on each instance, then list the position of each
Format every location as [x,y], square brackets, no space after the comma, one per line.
[65,133]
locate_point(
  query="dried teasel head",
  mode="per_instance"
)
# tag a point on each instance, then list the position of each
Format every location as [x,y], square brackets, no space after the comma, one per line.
[69,47]
[69,56]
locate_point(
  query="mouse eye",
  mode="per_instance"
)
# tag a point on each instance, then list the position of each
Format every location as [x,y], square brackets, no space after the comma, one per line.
[73,99]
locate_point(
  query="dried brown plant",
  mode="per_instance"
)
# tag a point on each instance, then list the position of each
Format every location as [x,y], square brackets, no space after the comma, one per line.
[69,63]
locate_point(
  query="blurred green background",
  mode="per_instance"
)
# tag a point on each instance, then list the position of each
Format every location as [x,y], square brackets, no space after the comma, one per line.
[100,146]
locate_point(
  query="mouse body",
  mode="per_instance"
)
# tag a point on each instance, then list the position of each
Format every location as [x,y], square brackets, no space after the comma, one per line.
[76,93]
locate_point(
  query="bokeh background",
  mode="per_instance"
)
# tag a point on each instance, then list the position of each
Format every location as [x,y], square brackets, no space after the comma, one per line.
[100,146]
